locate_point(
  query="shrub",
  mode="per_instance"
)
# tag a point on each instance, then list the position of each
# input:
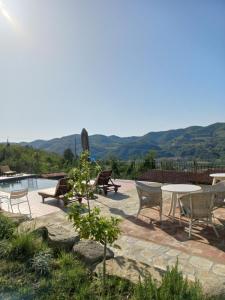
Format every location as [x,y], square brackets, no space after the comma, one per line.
[69,280]
[25,246]
[146,290]
[41,262]
[5,247]
[173,287]
[6,227]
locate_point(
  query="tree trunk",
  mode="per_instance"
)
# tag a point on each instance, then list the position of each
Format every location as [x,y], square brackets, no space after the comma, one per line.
[104,264]
[87,197]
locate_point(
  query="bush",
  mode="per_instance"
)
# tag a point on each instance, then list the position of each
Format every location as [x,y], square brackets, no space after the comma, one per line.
[25,246]
[6,227]
[41,263]
[173,287]
[5,247]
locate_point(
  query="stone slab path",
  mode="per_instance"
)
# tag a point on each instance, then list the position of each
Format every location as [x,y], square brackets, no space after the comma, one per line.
[210,274]
[145,240]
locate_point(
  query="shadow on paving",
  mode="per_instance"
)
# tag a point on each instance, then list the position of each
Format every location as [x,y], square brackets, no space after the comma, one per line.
[173,234]
[116,196]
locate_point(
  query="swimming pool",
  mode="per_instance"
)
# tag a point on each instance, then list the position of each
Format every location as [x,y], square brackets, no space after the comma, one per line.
[32,184]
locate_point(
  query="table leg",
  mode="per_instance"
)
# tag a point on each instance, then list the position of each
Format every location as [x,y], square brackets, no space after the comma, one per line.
[214,181]
[173,205]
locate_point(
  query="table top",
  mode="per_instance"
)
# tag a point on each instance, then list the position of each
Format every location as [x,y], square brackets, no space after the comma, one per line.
[219,175]
[181,188]
[150,183]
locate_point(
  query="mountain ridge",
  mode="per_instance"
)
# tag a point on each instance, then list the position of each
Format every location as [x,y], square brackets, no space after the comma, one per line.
[193,142]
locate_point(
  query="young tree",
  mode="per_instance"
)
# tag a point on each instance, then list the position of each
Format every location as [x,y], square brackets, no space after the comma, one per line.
[94,226]
[148,162]
[81,176]
[68,155]
[115,167]
[131,170]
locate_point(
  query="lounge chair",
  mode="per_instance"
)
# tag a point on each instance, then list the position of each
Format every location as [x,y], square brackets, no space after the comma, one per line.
[150,195]
[198,207]
[5,170]
[58,192]
[103,182]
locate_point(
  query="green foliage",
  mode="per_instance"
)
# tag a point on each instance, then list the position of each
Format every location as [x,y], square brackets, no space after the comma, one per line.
[29,160]
[94,226]
[68,155]
[146,290]
[167,164]
[173,286]
[6,227]
[24,246]
[80,177]
[5,247]
[68,278]
[148,162]
[41,262]
[203,143]
[115,167]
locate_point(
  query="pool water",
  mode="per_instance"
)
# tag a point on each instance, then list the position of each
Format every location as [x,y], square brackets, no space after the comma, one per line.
[32,184]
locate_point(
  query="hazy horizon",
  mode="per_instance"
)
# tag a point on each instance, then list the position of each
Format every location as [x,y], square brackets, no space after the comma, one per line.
[114,67]
[99,133]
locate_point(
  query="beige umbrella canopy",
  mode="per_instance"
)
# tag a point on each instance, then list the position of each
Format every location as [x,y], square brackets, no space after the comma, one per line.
[85,140]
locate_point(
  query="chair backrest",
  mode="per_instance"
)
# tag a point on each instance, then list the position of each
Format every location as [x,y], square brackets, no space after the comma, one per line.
[62,187]
[103,177]
[198,205]
[18,194]
[5,169]
[218,187]
[149,192]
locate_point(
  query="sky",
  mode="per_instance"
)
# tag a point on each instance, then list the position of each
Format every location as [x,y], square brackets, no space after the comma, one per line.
[123,67]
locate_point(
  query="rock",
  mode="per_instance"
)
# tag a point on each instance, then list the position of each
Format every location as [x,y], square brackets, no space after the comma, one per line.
[16,218]
[129,269]
[91,252]
[61,237]
[55,228]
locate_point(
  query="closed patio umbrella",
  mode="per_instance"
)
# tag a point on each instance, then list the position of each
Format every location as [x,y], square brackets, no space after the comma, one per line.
[84,140]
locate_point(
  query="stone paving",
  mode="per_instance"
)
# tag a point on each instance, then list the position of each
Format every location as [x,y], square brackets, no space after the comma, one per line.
[147,241]
[210,274]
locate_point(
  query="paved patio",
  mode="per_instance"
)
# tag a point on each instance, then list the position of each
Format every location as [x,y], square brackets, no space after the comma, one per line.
[145,240]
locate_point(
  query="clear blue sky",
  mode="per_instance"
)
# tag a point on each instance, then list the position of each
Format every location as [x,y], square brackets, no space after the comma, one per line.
[123,67]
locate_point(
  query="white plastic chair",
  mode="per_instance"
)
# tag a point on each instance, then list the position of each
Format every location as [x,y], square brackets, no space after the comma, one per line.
[16,198]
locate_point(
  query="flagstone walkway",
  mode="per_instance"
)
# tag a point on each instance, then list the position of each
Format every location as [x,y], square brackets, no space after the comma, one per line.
[147,241]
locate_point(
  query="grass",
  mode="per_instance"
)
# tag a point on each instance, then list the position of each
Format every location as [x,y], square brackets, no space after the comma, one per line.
[6,227]
[29,269]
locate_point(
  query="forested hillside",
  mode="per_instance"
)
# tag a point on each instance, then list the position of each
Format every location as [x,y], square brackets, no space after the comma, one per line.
[196,142]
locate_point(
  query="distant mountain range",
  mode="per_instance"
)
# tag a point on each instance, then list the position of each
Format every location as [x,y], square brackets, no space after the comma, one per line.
[196,142]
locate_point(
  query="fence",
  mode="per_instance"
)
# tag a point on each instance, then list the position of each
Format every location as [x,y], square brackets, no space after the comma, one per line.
[191,166]
[196,175]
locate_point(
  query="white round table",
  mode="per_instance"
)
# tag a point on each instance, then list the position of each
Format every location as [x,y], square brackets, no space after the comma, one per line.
[217,177]
[176,190]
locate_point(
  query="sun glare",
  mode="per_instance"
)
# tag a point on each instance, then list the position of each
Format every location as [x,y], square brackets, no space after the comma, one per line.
[4,12]
[6,15]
